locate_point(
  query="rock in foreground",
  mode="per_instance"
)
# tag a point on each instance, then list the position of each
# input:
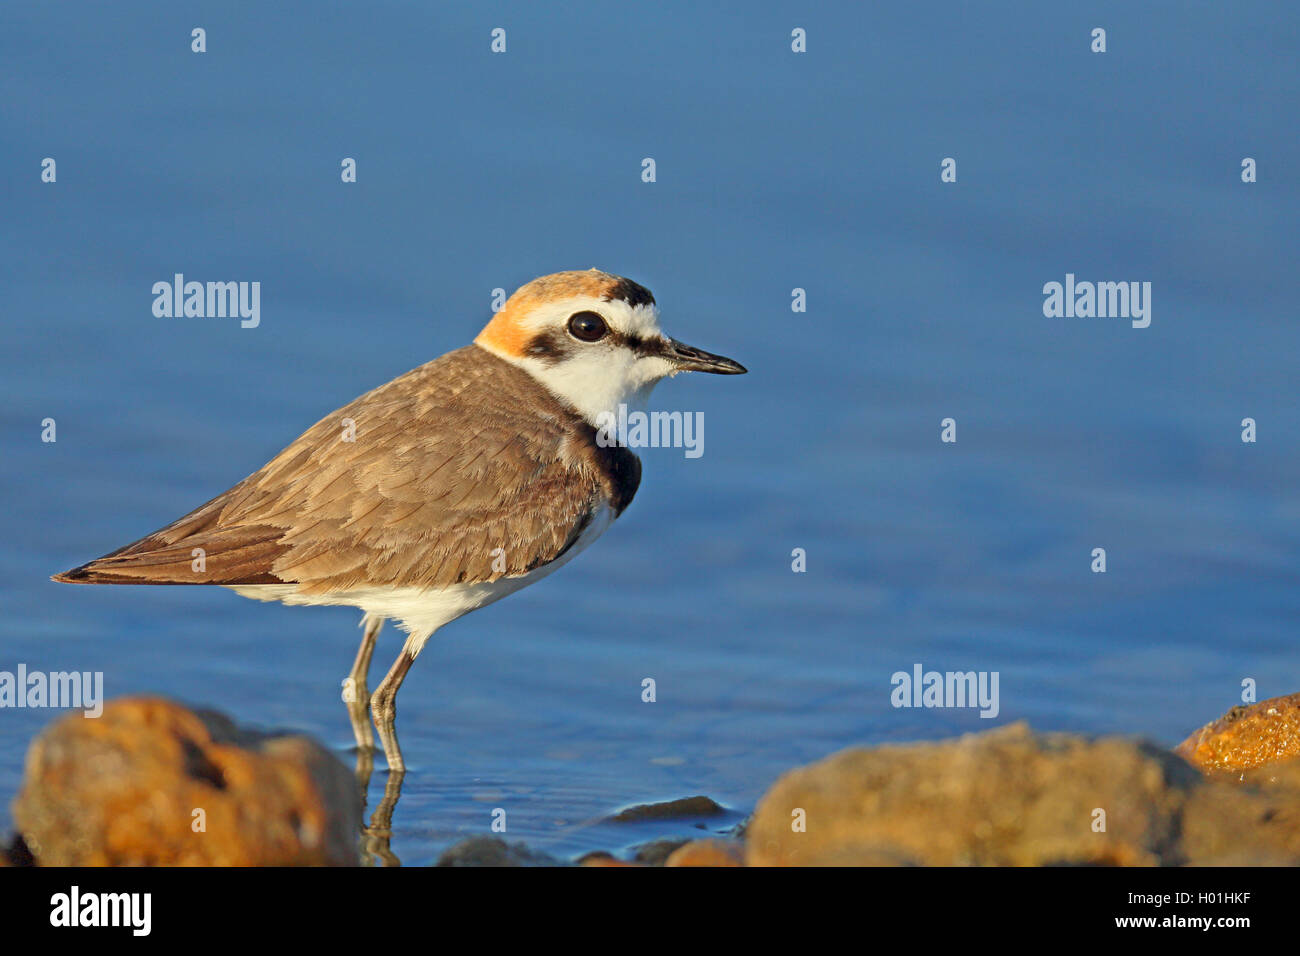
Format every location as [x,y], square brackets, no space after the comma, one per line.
[1010,797]
[152,783]
[1247,737]
[493,851]
[709,852]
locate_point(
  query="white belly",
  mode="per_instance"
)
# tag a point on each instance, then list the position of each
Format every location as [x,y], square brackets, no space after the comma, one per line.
[421,611]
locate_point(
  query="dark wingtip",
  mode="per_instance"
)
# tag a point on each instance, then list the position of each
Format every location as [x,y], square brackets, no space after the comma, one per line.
[74,576]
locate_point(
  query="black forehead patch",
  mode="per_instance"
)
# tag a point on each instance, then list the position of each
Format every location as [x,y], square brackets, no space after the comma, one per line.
[630,292]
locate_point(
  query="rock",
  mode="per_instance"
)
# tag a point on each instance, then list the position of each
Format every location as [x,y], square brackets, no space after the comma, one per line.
[675,852]
[1253,821]
[132,787]
[1012,797]
[601,858]
[1247,737]
[493,851]
[656,852]
[16,853]
[671,810]
[708,853]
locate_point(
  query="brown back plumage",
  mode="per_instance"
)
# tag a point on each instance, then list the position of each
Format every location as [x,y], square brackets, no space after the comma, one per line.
[439,476]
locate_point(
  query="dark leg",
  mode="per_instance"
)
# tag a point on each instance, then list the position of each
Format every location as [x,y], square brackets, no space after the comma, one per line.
[383,708]
[355,692]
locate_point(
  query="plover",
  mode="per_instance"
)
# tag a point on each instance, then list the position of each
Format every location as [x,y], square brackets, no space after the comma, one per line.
[444,490]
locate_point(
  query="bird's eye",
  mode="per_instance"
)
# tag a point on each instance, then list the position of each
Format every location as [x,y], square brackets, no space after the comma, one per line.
[587,326]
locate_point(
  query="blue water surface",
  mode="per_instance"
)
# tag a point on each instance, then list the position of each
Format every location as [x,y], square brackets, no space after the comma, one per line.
[775,171]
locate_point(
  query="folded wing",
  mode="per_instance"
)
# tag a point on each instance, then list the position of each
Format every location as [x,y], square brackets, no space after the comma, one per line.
[427,481]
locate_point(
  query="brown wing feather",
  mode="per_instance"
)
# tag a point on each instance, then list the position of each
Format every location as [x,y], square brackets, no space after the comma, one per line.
[438,478]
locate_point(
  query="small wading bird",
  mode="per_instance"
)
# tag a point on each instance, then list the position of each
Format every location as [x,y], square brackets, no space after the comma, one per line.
[450,487]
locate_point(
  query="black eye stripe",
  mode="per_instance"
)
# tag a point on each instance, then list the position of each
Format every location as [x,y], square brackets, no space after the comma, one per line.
[550,347]
[555,345]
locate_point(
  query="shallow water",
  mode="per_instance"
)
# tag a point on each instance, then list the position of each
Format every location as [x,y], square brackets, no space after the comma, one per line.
[775,171]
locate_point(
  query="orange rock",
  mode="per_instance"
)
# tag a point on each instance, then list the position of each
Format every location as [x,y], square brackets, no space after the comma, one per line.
[1012,797]
[602,859]
[152,783]
[708,853]
[1247,737]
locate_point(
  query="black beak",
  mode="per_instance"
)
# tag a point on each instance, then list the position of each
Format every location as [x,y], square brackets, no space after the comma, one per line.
[690,359]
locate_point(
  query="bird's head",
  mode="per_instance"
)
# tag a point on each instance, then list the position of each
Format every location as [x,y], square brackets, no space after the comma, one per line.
[593,340]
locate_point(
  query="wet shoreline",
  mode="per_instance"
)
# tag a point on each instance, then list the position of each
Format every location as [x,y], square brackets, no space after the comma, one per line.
[152,782]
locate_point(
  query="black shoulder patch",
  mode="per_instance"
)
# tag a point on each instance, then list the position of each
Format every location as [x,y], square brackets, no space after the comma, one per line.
[623,471]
